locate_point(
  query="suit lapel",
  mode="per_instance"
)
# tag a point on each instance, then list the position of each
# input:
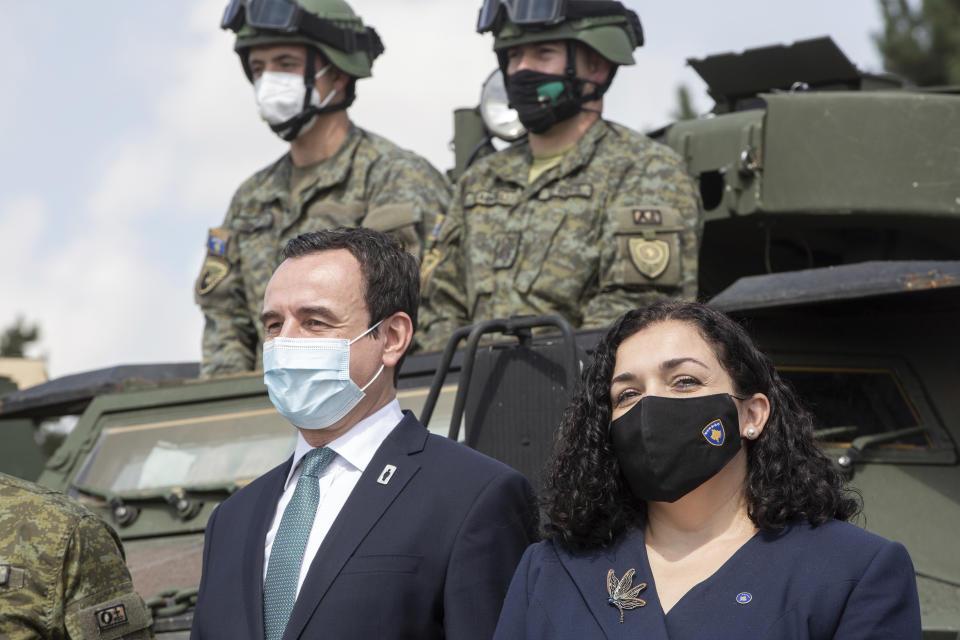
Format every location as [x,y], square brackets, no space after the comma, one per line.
[589,572]
[363,509]
[264,508]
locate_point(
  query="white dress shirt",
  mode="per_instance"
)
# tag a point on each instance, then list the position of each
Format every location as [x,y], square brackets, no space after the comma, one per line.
[354,450]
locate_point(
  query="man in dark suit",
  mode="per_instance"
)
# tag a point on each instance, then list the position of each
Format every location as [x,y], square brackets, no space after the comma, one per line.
[374,528]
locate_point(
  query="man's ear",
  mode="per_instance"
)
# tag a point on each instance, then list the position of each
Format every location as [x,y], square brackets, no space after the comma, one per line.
[597,67]
[398,331]
[340,80]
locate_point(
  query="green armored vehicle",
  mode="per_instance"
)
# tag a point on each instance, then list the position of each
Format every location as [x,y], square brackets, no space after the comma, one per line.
[832,232]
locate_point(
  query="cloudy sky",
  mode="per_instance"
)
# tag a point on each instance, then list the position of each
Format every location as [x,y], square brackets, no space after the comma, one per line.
[126,126]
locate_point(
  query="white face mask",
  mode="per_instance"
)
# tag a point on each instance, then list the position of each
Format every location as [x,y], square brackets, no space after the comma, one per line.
[308,379]
[280,95]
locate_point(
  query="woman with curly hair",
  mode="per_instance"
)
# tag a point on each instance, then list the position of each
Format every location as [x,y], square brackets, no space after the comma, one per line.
[687,500]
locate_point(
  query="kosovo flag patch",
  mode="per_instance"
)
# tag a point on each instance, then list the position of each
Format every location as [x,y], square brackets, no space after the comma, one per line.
[714,433]
[217,242]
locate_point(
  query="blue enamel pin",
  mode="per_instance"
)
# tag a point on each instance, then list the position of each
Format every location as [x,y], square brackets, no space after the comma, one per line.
[744,597]
[714,433]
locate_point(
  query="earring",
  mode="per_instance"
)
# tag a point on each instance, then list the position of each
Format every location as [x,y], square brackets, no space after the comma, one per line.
[751,433]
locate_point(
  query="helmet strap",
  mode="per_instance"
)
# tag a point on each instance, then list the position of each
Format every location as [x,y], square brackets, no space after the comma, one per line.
[309,77]
[599,89]
[572,60]
[290,129]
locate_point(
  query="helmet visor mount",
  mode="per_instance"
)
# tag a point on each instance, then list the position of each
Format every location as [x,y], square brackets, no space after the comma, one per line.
[547,13]
[285,16]
[275,15]
[520,12]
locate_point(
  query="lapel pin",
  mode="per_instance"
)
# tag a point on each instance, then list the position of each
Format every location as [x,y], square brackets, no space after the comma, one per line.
[744,597]
[386,474]
[622,595]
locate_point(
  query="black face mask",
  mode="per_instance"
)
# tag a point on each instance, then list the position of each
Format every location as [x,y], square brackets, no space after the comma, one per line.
[544,99]
[667,447]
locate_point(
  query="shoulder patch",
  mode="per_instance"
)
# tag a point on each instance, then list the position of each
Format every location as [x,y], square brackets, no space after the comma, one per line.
[217,242]
[110,617]
[214,270]
[650,257]
[117,618]
[435,232]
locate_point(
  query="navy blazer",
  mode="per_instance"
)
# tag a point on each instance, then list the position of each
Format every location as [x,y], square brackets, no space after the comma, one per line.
[835,581]
[428,555]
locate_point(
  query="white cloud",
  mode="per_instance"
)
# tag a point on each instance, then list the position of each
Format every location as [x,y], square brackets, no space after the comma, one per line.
[13,58]
[97,300]
[137,176]
[113,306]
[22,222]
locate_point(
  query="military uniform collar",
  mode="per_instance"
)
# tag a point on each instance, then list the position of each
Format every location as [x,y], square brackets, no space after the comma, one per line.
[330,171]
[516,165]
[583,152]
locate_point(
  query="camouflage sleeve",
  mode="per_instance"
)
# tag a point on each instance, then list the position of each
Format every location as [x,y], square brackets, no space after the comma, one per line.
[229,335]
[97,592]
[651,238]
[443,303]
[406,197]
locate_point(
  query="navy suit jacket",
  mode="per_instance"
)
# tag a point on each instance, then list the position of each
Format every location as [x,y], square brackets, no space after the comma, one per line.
[428,555]
[835,581]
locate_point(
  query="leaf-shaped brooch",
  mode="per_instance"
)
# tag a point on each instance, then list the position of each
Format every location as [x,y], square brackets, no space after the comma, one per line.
[622,595]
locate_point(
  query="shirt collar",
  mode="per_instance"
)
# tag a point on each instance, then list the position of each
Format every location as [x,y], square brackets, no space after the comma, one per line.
[358,445]
[515,161]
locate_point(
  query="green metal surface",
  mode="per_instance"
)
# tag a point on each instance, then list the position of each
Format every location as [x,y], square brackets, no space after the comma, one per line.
[887,152]
[20,455]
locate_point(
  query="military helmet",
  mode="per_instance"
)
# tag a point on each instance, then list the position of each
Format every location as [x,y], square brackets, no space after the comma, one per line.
[609,28]
[329,25]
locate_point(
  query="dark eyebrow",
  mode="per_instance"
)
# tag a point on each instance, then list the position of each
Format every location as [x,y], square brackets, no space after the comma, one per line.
[667,365]
[676,362]
[268,315]
[318,310]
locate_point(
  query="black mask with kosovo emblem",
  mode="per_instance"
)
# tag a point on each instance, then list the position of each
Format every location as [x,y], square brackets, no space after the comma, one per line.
[667,447]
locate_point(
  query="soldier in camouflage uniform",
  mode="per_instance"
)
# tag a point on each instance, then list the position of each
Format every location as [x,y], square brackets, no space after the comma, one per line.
[586,219]
[62,573]
[304,65]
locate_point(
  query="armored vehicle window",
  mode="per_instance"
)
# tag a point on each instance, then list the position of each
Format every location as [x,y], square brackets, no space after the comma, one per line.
[191,452]
[869,409]
[848,403]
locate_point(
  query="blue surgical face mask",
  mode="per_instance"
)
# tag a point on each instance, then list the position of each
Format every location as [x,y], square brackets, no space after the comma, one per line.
[308,379]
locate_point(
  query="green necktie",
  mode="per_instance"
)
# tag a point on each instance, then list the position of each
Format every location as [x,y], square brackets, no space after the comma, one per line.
[286,554]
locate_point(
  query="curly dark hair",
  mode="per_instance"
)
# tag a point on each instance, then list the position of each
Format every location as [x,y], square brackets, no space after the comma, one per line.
[586,499]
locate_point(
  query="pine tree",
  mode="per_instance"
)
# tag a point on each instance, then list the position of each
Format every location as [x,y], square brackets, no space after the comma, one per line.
[684,109]
[15,339]
[921,44]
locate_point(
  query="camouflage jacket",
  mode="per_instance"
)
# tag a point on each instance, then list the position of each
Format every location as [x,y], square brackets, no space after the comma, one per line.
[62,573]
[614,226]
[369,182]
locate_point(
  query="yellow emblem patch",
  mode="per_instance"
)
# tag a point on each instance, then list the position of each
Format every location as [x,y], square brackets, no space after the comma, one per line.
[215,269]
[650,257]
